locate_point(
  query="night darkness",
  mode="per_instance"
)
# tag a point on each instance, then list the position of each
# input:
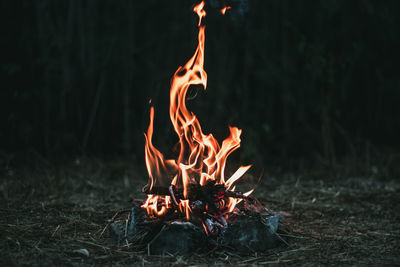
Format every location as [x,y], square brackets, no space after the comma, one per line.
[314,85]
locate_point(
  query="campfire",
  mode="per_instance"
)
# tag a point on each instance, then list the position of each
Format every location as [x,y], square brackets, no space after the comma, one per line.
[190,198]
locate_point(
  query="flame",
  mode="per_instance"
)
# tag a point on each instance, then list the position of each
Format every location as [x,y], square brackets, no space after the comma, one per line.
[201,159]
[151,206]
[223,10]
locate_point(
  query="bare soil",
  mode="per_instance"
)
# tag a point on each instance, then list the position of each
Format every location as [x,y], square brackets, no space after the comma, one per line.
[56,213]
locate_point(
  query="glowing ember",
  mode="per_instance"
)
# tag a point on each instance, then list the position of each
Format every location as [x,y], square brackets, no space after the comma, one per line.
[186,184]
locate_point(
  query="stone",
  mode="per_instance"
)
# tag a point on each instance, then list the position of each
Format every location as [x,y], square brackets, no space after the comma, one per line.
[179,238]
[245,232]
[251,233]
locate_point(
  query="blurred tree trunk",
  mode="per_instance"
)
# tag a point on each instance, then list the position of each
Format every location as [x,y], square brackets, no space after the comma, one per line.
[286,115]
[128,86]
[67,48]
[44,48]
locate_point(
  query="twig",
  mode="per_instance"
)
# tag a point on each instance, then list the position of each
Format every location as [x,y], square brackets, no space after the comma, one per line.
[104,229]
[58,227]
[274,262]
[93,244]
[251,260]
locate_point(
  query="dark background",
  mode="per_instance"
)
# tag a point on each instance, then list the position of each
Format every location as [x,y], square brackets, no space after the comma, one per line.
[309,80]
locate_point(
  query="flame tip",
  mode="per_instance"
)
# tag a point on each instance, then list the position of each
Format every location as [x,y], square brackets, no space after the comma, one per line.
[224,9]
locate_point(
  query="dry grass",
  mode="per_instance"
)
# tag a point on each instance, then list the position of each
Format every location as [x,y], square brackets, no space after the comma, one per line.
[50,211]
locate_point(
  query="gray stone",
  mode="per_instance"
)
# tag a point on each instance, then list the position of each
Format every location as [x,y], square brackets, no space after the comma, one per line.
[245,233]
[248,233]
[178,238]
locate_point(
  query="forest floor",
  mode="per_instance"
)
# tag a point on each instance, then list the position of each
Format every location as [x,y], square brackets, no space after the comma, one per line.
[49,212]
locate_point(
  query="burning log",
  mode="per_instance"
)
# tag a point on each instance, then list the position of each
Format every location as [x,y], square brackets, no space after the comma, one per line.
[209,193]
[203,200]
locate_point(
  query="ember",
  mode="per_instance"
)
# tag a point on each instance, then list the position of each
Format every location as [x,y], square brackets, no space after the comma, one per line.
[191,195]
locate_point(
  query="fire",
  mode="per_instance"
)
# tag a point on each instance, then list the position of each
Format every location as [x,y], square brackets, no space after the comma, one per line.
[224,9]
[201,161]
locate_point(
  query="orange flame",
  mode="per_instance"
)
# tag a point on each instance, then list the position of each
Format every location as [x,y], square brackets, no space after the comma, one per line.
[201,158]
[223,10]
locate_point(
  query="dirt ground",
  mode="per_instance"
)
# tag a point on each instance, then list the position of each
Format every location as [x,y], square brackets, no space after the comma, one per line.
[55,213]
